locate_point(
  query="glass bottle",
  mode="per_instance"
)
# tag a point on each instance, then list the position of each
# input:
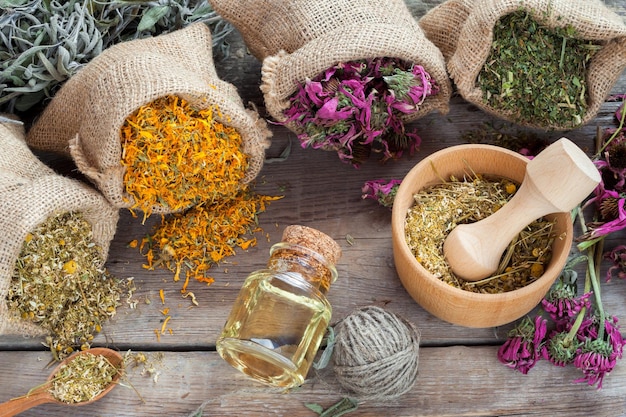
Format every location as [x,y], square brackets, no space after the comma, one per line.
[281,313]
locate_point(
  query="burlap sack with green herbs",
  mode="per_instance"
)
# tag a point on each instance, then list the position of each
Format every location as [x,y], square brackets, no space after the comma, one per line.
[463,31]
[30,193]
[84,118]
[300,39]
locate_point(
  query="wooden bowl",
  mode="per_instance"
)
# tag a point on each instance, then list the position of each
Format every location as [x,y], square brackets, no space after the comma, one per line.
[449,303]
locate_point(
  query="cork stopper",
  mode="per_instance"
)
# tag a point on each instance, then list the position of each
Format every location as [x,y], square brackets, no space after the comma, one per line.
[314,240]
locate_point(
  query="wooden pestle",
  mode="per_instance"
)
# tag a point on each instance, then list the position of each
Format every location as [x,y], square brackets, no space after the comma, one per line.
[556,180]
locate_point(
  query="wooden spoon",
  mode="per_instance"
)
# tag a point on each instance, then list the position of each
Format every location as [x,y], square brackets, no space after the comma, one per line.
[42,395]
[556,180]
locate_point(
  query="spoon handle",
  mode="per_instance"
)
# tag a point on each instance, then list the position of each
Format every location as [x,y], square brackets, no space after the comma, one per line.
[18,405]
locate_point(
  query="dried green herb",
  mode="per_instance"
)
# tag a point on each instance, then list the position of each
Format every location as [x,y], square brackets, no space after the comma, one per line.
[535,73]
[440,208]
[83,378]
[45,42]
[60,285]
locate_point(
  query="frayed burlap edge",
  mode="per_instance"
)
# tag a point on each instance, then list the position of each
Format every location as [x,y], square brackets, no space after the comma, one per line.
[282,73]
[93,140]
[84,199]
[31,193]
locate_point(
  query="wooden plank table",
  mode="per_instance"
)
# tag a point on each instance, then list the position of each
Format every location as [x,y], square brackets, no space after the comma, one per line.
[459,374]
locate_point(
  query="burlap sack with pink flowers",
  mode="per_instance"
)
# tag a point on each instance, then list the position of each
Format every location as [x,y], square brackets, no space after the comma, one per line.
[85,116]
[30,193]
[463,31]
[300,39]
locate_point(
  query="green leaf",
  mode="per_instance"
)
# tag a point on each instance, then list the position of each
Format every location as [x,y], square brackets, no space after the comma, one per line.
[151,17]
[315,407]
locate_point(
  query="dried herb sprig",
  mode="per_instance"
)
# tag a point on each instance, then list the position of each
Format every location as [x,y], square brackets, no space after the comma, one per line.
[535,73]
[83,378]
[60,285]
[440,208]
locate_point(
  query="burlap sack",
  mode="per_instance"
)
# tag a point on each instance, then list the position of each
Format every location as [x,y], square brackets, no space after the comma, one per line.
[300,39]
[85,116]
[463,31]
[30,193]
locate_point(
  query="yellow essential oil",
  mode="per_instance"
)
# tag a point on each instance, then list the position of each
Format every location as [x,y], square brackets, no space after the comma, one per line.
[281,314]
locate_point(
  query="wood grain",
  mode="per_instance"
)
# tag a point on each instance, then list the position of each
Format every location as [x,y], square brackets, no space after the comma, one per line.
[459,372]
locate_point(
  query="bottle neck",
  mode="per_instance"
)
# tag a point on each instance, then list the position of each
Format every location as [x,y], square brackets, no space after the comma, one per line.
[314,268]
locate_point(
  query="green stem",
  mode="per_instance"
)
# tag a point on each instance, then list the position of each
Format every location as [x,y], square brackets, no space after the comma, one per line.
[614,135]
[594,260]
[579,320]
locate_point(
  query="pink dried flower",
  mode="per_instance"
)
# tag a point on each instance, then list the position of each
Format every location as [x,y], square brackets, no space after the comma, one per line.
[610,205]
[522,349]
[561,348]
[598,357]
[383,191]
[563,305]
[618,257]
[356,108]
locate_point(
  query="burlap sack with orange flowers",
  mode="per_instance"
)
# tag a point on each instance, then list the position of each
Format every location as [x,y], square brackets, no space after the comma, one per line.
[85,116]
[30,193]
[300,39]
[463,31]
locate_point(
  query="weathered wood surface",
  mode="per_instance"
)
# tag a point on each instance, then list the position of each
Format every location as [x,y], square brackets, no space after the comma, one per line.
[459,372]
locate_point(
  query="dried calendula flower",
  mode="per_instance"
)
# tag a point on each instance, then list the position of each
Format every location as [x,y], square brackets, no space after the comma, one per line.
[60,285]
[83,378]
[194,240]
[186,163]
[177,156]
[440,208]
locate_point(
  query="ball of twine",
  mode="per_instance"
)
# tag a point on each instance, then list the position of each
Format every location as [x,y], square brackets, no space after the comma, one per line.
[376,354]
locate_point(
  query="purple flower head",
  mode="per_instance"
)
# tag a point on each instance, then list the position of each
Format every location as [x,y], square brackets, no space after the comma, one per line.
[620,111]
[594,362]
[560,348]
[562,302]
[618,257]
[383,191]
[522,349]
[359,107]
[598,356]
[612,164]
[564,309]
[610,205]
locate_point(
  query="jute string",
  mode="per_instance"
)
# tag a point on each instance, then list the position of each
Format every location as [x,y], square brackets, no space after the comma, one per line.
[376,354]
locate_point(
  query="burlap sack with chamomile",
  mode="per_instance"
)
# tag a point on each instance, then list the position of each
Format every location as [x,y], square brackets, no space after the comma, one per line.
[30,193]
[85,116]
[463,30]
[297,40]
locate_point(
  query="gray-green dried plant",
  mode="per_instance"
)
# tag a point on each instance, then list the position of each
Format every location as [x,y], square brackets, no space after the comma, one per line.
[45,42]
